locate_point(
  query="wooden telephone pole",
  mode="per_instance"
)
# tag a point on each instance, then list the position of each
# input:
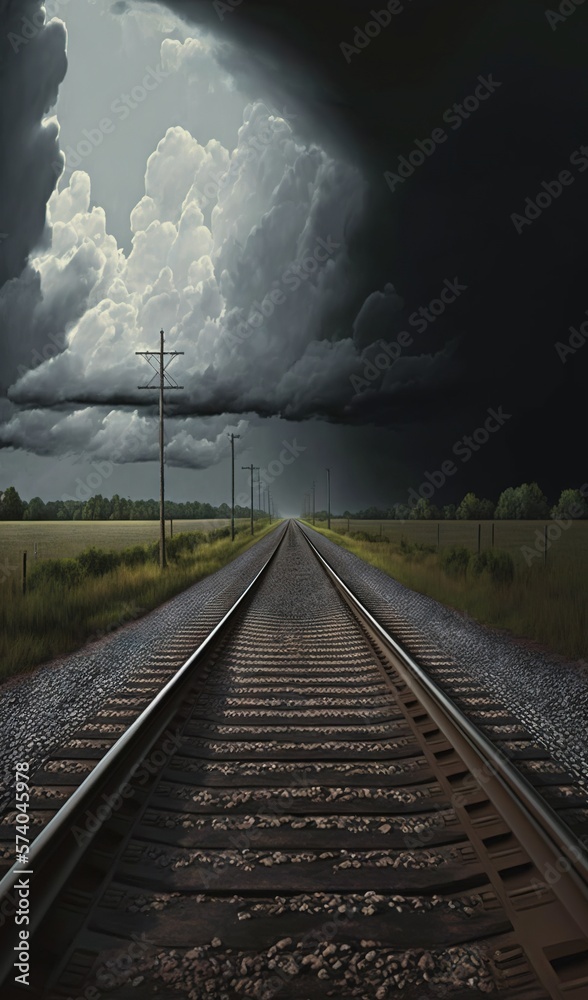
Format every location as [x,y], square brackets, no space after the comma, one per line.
[233,437]
[251,468]
[156,360]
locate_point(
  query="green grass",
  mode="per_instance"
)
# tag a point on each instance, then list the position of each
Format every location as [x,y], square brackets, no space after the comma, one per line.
[60,539]
[55,617]
[547,604]
[509,536]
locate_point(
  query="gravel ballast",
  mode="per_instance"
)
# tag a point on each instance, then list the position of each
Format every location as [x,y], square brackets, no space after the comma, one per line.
[40,710]
[548,694]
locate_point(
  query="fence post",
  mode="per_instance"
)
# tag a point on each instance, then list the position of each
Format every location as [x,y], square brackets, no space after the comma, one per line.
[438,534]
[545,545]
[24,572]
[479,538]
[171,527]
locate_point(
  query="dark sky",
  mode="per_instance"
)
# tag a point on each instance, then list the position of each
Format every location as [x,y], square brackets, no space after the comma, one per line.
[457,217]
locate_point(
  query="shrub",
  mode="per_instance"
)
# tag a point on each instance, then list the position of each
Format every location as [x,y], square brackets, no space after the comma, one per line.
[187,542]
[498,565]
[455,561]
[415,550]
[220,533]
[66,572]
[97,562]
[137,556]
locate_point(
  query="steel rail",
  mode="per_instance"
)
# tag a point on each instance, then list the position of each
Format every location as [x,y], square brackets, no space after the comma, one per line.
[545,838]
[110,776]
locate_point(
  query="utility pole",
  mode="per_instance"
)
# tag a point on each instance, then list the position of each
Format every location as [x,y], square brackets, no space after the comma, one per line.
[329,499]
[232,437]
[313,501]
[155,359]
[259,490]
[251,468]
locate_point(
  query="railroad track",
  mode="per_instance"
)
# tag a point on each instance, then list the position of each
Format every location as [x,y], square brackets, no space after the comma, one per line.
[299,813]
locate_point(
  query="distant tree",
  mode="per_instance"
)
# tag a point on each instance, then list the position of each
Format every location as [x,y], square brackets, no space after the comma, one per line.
[424,510]
[402,512]
[473,509]
[35,510]
[115,514]
[506,508]
[104,509]
[450,512]
[526,502]
[11,506]
[570,504]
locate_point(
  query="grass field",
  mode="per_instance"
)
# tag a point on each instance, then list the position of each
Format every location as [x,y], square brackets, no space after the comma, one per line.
[545,603]
[510,536]
[75,599]
[62,539]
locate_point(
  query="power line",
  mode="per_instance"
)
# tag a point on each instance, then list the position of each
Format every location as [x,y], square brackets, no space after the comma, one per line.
[166,381]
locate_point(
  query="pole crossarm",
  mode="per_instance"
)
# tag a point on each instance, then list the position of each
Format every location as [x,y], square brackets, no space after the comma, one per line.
[154,358]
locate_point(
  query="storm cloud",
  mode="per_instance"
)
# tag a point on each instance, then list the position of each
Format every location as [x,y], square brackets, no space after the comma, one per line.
[283,265]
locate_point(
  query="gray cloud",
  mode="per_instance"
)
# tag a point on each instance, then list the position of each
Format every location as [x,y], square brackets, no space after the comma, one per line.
[33,65]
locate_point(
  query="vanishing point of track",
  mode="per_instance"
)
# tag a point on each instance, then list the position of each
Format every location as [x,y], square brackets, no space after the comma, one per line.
[299,813]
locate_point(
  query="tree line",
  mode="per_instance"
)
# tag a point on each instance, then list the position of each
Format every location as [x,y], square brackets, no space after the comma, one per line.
[525,502]
[116,508]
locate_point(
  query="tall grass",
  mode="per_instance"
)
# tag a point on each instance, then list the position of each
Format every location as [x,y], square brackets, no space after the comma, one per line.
[548,604]
[72,601]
